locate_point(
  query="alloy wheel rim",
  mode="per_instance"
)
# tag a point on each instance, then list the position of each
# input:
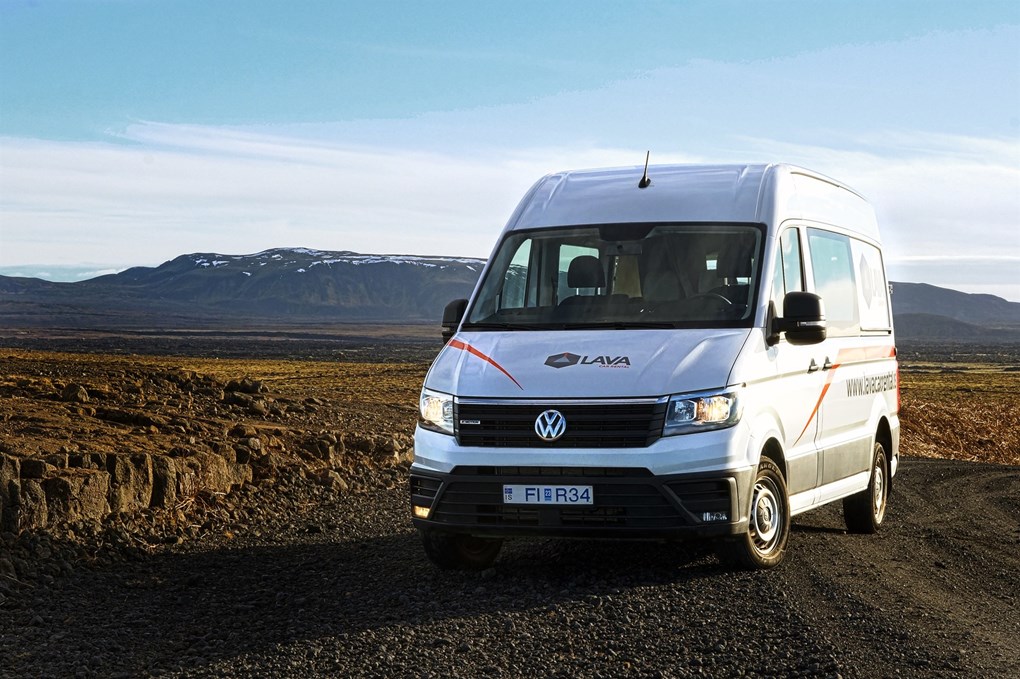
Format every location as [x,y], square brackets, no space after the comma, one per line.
[766,520]
[878,483]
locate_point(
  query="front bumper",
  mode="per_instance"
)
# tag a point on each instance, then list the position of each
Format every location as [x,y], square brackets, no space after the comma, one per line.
[628,502]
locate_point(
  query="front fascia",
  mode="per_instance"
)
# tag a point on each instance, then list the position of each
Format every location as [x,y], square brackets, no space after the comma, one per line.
[719,450]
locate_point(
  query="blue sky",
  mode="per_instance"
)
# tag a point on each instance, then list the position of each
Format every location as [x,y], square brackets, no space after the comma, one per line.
[135,131]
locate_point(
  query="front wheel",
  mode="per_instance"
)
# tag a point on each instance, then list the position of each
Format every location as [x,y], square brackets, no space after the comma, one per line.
[458,552]
[763,545]
[865,511]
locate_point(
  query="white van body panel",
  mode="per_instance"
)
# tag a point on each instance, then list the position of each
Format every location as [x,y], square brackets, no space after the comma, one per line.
[724,193]
[694,193]
[514,364]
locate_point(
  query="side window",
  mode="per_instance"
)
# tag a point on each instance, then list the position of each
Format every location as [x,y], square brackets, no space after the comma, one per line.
[788,277]
[872,289]
[515,282]
[832,264]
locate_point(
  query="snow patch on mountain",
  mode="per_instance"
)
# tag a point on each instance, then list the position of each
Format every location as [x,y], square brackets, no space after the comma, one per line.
[297,259]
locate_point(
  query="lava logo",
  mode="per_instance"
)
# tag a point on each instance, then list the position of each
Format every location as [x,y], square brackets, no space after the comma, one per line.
[550,425]
[563,360]
[567,359]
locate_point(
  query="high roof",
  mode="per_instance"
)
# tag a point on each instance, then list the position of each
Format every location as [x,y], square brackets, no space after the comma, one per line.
[691,193]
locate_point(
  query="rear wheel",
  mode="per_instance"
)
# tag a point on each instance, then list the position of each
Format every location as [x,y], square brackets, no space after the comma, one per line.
[763,545]
[458,552]
[865,511]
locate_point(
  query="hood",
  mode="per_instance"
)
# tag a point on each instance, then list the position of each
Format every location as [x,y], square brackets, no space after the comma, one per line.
[585,363]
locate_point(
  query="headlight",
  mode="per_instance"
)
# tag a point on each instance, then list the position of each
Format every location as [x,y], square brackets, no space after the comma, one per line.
[436,411]
[687,413]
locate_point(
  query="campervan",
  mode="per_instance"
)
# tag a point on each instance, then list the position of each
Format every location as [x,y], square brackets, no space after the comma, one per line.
[652,354]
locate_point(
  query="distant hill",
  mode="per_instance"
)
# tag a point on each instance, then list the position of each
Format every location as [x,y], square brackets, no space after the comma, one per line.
[926,312]
[933,327]
[302,286]
[921,298]
[283,285]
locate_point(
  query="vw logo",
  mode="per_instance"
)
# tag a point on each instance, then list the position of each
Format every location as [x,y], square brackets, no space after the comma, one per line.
[550,425]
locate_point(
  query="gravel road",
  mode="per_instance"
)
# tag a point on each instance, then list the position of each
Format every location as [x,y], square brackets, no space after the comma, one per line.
[297,579]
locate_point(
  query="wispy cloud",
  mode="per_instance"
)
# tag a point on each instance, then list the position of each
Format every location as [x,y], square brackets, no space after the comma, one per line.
[940,197]
[159,190]
[968,259]
[173,189]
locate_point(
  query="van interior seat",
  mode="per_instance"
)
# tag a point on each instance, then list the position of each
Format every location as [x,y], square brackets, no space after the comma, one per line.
[585,271]
[659,280]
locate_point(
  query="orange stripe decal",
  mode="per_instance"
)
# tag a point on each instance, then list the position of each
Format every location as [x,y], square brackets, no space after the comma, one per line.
[821,397]
[464,346]
[846,355]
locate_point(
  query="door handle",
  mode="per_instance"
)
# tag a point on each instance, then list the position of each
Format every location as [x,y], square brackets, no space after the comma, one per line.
[827,365]
[813,367]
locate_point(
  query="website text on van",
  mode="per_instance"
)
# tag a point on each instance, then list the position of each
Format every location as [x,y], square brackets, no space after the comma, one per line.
[708,354]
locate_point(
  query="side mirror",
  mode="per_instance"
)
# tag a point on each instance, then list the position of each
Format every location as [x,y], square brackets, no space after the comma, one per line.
[803,319]
[452,315]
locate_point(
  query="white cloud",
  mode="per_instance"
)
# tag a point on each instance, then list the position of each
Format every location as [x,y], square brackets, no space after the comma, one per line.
[165,190]
[176,189]
[942,199]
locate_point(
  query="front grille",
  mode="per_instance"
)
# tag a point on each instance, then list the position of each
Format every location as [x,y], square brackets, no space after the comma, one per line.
[618,424]
[699,497]
[424,488]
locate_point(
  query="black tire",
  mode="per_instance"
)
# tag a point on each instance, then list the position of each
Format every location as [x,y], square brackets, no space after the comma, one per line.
[763,545]
[458,552]
[865,511]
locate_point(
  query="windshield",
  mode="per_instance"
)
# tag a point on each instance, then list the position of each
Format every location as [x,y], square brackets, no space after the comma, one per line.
[622,276]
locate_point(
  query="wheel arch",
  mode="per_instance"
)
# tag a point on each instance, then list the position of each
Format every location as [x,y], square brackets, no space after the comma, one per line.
[883,435]
[773,450]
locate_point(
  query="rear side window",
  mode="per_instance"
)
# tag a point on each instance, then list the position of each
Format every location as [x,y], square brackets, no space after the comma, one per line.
[832,265]
[872,297]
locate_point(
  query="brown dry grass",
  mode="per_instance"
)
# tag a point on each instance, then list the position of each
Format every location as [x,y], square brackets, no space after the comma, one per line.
[967,412]
[366,398]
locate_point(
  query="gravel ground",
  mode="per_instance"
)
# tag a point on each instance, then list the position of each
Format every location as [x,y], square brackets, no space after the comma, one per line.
[293,578]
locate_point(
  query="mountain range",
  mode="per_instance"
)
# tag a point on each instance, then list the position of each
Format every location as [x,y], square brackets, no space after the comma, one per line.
[300,285]
[279,285]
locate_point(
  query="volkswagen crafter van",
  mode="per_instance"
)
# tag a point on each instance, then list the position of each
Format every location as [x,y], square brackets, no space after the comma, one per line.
[702,350]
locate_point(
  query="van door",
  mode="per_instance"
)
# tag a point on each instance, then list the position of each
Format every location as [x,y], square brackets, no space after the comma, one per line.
[849,360]
[800,379]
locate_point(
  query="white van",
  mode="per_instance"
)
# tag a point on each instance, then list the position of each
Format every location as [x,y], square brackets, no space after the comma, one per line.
[702,350]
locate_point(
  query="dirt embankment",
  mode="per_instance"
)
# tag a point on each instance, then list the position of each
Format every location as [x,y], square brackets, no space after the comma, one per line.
[84,437]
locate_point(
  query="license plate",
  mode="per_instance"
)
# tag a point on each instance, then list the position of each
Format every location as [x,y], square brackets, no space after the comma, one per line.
[547,495]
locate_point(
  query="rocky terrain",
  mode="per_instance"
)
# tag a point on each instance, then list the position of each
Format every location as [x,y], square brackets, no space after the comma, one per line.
[86,436]
[196,516]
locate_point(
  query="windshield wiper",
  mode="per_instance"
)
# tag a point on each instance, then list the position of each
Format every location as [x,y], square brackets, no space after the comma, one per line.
[620,325]
[509,326]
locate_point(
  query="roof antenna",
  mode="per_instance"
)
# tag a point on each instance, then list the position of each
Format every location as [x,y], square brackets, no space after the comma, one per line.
[645,181]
